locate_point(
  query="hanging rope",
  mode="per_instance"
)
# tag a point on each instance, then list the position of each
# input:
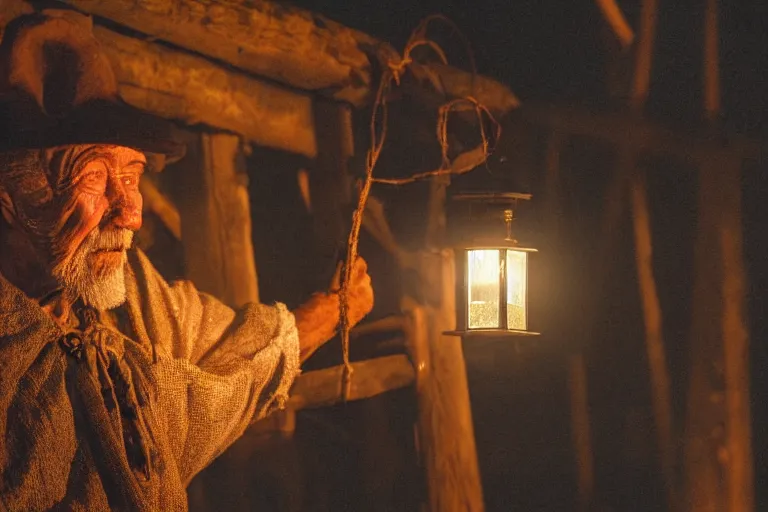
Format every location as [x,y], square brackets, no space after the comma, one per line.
[465,162]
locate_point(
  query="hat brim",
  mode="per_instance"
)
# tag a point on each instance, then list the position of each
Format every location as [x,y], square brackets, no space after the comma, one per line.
[98,122]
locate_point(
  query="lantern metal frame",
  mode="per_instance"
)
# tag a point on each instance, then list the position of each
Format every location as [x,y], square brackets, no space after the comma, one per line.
[503,246]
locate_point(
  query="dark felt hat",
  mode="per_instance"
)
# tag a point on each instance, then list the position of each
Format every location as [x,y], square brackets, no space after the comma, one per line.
[57,88]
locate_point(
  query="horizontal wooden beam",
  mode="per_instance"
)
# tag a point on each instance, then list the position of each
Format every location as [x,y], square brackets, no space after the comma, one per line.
[177,85]
[290,45]
[640,134]
[444,82]
[284,43]
[322,388]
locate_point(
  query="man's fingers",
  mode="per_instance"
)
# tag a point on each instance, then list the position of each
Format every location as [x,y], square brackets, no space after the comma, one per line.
[336,279]
[360,268]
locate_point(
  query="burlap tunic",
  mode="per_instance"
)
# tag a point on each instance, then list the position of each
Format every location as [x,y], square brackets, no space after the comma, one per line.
[121,414]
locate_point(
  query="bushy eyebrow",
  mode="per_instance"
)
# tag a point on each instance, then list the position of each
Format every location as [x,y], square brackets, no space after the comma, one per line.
[142,163]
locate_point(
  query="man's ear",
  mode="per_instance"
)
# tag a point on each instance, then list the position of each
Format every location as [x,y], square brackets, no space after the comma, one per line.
[6,208]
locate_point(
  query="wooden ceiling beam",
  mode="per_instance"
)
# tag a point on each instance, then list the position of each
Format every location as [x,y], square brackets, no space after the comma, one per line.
[640,134]
[178,85]
[283,43]
[289,45]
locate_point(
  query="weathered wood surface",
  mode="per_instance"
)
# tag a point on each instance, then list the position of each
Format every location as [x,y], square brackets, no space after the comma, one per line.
[639,134]
[446,437]
[178,85]
[280,42]
[740,479]
[216,220]
[654,337]
[718,439]
[437,82]
[322,388]
[330,184]
[289,45]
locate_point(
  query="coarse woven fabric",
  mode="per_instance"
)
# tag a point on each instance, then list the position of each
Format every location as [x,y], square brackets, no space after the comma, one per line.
[189,371]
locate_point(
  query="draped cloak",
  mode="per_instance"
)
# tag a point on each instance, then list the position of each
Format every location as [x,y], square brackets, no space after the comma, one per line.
[122,412]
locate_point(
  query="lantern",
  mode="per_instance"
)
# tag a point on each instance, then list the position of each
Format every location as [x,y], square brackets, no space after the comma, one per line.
[492,274]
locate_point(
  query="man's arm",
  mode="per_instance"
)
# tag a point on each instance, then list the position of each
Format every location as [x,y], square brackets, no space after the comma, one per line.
[317,319]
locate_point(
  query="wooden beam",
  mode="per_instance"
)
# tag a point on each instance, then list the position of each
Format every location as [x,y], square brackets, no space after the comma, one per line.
[216,219]
[330,185]
[639,134]
[581,430]
[654,337]
[277,41]
[740,478]
[322,388]
[446,437]
[289,45]
[437,83]
[176,85]
[705,453]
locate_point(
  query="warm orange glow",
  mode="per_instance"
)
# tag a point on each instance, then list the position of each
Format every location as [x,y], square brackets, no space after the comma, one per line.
[517,289]
[483,273]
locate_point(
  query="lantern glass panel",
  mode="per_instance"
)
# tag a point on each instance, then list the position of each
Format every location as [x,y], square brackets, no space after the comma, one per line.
[517,283]
[483,271]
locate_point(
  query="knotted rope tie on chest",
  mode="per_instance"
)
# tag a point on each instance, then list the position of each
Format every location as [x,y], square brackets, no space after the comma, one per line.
[99,351]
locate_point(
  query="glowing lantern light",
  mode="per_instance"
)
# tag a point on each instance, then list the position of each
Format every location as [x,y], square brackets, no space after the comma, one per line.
[492,279]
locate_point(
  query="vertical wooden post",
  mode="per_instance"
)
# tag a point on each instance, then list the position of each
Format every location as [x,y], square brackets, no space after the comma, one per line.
[705,414]
[740,476]
[329,183]
[216,221]
[654,339]
[581,429]
[446,438]
[711,61]
[718,448]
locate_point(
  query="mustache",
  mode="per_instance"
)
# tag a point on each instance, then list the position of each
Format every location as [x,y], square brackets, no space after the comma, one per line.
[112,240]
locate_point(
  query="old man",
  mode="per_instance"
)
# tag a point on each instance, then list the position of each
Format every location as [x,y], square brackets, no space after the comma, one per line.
[116,387]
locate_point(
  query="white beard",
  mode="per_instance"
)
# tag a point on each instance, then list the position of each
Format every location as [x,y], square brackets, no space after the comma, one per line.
[101,288]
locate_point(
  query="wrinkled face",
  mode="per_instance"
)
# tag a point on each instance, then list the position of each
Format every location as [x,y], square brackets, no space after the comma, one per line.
[82,214]
[100,217]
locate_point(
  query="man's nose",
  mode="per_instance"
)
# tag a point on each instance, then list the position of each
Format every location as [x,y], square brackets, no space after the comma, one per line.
[124,207]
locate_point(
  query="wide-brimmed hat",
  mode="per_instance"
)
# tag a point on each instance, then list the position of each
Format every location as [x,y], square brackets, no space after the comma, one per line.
[57,88]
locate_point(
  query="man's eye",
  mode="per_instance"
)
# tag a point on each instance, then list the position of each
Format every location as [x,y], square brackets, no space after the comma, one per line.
[95,177]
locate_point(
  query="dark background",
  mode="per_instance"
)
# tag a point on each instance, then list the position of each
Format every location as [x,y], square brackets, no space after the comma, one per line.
[562,52]
[559,52]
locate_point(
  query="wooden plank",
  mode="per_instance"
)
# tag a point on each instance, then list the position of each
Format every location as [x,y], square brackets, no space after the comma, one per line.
[704,441]
[284,43]
[581,430]
[289,45]
[330,185]
[216,220]
[176,85]
[654,338]
[578,379]
[640,134]
[446,438]
[740,478]
[322,388]
[719,471]
[438,83]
